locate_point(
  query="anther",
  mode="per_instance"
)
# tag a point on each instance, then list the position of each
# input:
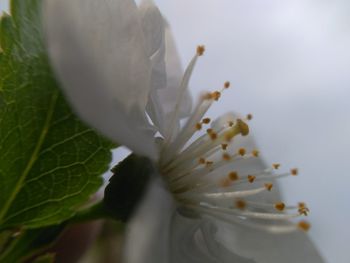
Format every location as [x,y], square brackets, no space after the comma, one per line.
[216,95]
[225,182]
[200,50]
[208,163]
[201,160]
[206,120]
[241,151]
[230,123]
[249,117]
[240,204]
[198,126]
[269,186]
[224,146]
[227,84]
[303,225]
[251,178]
[294,171]
[233,176]
[280,206]
[255,153]
[276,166]
[243,127]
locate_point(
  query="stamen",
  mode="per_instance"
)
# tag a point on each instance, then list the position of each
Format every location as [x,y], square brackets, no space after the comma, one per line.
[227,84]
[249,117]
[303,225]
[200,50]
[206,120]
[269,186]
[224,146]
[226,157]
[241,151]
[251,178]
[255,153]
[240,204]
[294,171]
[276,166]
[233,176]
[198,126]
[280,206]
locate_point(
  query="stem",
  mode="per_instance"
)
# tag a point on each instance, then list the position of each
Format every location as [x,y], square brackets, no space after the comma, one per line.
[95,212]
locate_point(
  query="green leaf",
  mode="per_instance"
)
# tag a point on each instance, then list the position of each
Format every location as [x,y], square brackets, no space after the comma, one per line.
[30,242]
[47,258]
[50,162]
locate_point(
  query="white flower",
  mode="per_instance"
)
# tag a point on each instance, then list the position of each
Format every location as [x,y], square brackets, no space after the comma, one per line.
[211,202]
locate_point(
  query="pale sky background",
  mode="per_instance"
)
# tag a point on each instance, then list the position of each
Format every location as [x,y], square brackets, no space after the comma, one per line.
[289,65]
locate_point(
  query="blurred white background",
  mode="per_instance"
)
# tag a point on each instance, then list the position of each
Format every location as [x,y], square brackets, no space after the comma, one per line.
[289,65]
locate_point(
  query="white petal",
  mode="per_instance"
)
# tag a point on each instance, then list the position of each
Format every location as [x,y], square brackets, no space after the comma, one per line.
[159,234]
[98,52]
[147,235]
[268,248]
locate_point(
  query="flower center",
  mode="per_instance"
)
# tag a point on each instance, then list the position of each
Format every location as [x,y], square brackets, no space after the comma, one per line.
[209,174]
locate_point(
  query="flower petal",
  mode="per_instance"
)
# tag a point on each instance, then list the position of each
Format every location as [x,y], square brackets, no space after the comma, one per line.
[159,234]
[268,248]
[98,53]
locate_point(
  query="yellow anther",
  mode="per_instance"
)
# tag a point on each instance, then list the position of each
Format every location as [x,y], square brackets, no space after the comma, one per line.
[280,206]
[233,176]
[216,95]
[269,186]
[198,126]
[243,127]
[249,117]
[255,153]
[201,160]
[227,84]
[294,171]
[276,166]
[251,178]
[224,146]
[226,157]
[241,151]
[303,225]
[200,50]
[206,120]
[303,209]
[241,204]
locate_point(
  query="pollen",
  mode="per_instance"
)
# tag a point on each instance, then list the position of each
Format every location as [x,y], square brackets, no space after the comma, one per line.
[255,153]
[200,50]
[224,146]
[276,166]
[233,176]
[226,157]
[303,225]
[249,117]
[241,151]
[241,204]
[280,206]
[216,95]
[206,120]
[227,84]
[269,186]
[251,178]
[243,127]
[294,171]
[201,160]
[198,126]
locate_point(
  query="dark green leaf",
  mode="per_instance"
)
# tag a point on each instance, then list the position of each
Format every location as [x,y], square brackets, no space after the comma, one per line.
[50,162]
[30,242]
